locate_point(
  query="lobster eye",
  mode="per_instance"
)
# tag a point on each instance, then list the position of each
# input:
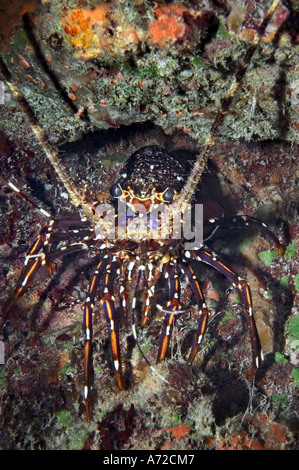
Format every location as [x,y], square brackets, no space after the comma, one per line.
[116,190]
[168,195]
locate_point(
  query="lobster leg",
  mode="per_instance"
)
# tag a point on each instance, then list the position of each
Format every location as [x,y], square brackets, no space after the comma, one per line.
[242,288]
[87,324]
[38,256]
[106,268]
[151,279]
[204,313]
[110,315]
[172,306]
[123,295]
[240,222]
[33,261]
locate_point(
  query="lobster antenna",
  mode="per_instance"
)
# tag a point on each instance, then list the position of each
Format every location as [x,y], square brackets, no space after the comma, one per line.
[51,152]
[203,156]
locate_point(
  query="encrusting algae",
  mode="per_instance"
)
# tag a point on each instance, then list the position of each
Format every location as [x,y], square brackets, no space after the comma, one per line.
[101,29]
[105,29]
[169,26]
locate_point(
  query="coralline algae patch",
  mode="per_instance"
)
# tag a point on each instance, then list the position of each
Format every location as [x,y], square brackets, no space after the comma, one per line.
[171,24]
[105,28]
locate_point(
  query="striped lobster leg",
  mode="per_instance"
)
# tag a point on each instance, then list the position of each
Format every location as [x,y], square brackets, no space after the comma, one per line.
[242,287]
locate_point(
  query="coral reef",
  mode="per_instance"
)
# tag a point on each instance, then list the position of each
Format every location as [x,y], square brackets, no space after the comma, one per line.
[123,63]
[136,79]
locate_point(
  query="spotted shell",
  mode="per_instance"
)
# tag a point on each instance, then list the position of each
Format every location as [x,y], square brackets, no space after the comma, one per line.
[152,167]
